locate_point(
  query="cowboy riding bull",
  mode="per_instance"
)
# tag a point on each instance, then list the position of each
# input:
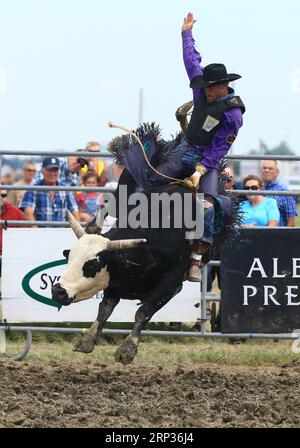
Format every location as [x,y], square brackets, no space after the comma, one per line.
[146,264]
[150,264]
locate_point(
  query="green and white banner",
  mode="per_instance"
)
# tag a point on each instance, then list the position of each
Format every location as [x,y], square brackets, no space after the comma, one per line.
[33,261]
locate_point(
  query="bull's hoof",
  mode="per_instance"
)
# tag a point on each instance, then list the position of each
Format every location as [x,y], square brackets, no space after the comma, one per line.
[85,345]
[126,352]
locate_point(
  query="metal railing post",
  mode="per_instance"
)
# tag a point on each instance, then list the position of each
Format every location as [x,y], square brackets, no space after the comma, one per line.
[204,301]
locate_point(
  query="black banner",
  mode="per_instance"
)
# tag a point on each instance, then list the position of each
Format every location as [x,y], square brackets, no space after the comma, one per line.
[260,272]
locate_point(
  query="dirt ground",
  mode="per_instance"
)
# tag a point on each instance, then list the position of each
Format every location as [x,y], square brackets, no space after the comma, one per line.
[60,394]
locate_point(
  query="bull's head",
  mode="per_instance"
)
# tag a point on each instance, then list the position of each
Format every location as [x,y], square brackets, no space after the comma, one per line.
[87,271]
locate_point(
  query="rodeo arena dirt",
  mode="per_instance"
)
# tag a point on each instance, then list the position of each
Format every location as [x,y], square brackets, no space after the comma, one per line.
[60,394]
[143,285]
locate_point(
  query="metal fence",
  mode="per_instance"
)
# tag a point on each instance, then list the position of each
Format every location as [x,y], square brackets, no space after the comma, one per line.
[205,296]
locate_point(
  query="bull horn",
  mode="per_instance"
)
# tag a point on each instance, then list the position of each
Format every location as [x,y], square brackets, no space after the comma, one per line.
[75,226]
[124,244]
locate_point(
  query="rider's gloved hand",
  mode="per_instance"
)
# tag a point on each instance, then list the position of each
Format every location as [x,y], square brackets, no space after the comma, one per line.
[194,181]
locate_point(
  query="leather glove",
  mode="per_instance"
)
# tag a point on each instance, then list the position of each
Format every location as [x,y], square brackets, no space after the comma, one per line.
[193,182]
[201,169]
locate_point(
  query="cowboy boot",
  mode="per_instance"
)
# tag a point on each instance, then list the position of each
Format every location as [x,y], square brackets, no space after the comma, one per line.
[182,114]
[195,273]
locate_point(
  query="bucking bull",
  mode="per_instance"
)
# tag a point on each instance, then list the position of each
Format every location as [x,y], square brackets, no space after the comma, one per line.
[146,264]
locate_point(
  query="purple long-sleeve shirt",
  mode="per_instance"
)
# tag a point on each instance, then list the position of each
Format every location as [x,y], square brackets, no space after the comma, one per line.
[233,121]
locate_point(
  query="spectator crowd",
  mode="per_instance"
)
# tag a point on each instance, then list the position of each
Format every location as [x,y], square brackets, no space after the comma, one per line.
[75,171]
[273,211]
[258,210]
[51,206]
[93,172]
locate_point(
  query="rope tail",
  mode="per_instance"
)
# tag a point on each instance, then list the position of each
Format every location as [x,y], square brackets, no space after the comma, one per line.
[122,128]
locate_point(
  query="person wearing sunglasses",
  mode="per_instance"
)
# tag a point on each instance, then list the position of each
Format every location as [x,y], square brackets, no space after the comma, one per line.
[257,210]
[29,171]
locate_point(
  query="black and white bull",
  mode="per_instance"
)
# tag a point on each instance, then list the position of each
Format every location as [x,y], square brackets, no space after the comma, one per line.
[150,268]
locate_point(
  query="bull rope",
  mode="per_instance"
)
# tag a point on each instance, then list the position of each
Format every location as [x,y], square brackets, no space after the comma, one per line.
[122,128]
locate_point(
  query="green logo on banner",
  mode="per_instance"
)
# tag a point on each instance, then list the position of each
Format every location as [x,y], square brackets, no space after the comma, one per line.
[34,295]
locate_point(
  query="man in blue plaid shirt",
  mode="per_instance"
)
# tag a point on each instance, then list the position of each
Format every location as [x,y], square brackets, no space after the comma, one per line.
[286,204]
[49,205]
[69,170]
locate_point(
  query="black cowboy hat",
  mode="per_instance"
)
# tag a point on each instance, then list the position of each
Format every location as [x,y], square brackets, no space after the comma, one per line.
[213,74]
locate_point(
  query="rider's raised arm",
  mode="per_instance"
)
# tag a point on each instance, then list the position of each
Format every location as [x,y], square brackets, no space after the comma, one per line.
[191,57]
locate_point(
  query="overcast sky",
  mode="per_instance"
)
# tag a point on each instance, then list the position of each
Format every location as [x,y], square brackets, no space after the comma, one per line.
[67,67]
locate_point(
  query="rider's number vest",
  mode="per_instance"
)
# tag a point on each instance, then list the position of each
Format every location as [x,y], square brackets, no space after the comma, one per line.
[207,118]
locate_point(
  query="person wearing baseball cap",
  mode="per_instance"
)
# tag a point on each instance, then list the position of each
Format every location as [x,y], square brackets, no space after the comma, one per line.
[49,205]
[69,168]
[50,163]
